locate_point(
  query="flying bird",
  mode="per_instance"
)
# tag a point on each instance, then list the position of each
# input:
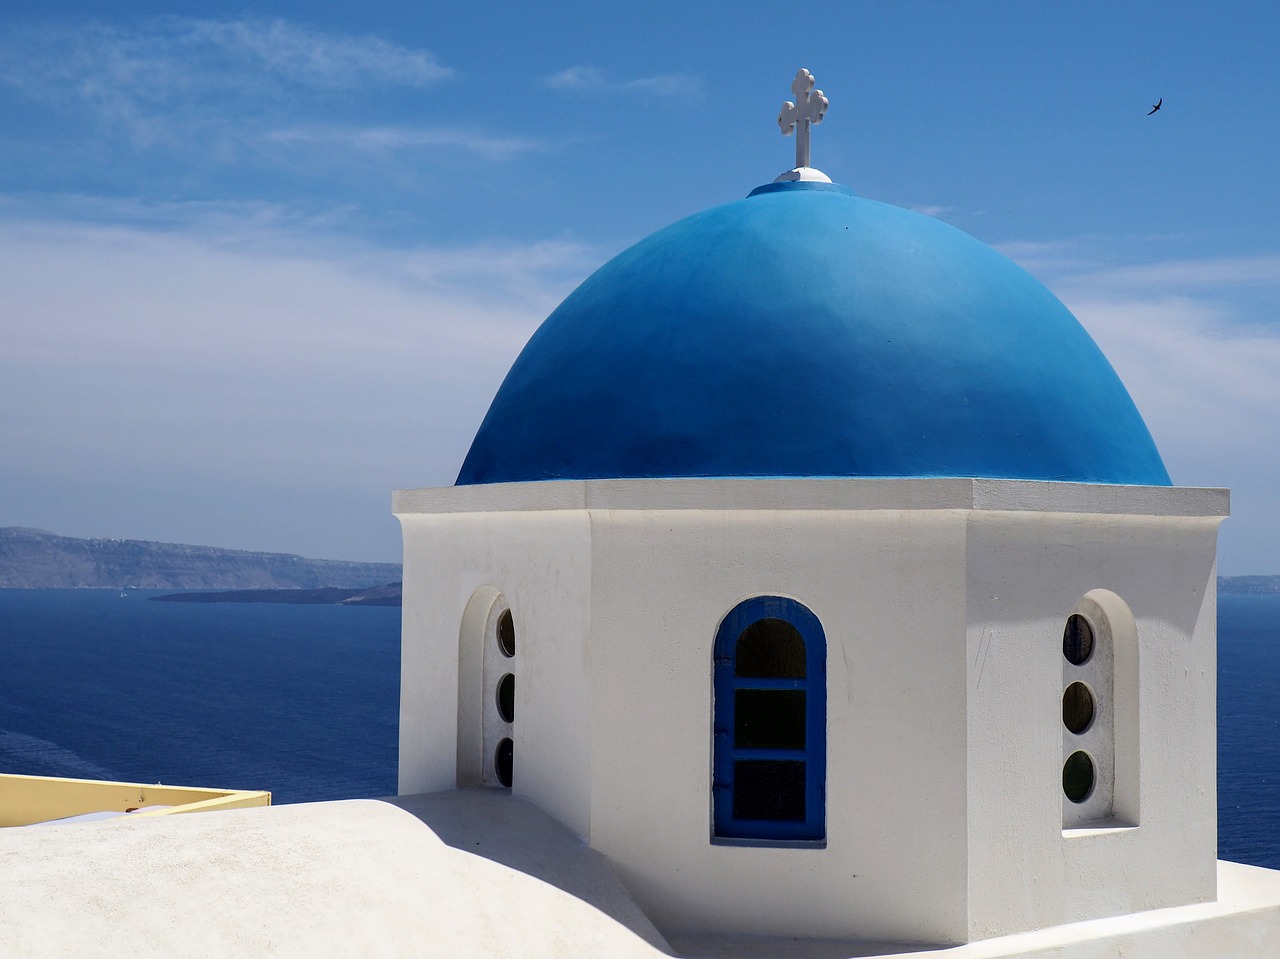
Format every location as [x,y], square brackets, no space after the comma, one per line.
[1156,107]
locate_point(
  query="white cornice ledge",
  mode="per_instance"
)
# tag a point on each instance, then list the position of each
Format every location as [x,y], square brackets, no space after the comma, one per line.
[816,494]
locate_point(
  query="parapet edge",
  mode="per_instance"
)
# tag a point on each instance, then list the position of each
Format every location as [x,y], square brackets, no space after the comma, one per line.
[816,494]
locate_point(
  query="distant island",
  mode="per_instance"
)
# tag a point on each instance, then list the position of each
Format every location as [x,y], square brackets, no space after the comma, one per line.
[1249,585]
[388,595]
[37,559]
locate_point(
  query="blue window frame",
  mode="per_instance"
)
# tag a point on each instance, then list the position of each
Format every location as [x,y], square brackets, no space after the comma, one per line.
[770,753]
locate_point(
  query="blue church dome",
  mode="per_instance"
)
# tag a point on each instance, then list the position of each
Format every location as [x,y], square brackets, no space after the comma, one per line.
[807,332]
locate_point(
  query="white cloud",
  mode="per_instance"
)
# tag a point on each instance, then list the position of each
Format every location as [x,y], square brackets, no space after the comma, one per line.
[1206,386]
[308,56]
[386,139]
[664,85]
[589,79]
[1052,258]
[1198,350]
[209,96]
[178,58]
[1114,260]
[1210,274]
[129,297]
[934,210]
[577,78]
[242,372]
[199,85]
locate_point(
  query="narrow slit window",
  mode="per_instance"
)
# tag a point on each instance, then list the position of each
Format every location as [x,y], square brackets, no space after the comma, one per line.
[1100,730]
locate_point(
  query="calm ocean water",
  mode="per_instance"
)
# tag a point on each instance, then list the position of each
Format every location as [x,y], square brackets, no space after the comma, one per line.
[1249,729]
[303,700]
[300,700]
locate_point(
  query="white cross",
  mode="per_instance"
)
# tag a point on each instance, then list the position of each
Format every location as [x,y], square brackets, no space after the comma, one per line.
[810,107]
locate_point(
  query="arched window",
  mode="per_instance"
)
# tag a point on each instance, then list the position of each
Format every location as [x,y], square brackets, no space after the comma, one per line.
[1100,713]
[486,690]
[770,753]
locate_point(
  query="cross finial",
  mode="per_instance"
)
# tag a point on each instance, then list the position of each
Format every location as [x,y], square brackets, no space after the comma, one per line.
[809,108]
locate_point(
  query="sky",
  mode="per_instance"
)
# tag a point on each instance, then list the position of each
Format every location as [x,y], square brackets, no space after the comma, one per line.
[261,264]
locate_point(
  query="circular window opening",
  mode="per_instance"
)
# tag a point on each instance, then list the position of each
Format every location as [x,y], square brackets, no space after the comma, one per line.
[502,762]
[1077,640]
[506,634]
[1077,776]
[507,698]
[1077,708]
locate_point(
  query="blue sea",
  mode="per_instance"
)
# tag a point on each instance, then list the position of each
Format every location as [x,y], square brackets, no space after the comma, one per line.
[304,700]
[1249,729]
[301,700]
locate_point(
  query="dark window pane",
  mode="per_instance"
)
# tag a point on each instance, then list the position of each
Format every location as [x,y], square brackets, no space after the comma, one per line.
[507,633]
[507,698]
[1077,707]
[768,789]
[502,762]
[768,718]
[770,649]
[1077,640]
[1077,777]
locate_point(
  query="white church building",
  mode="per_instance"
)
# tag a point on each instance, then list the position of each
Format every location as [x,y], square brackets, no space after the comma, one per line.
[814,566]
[813,588]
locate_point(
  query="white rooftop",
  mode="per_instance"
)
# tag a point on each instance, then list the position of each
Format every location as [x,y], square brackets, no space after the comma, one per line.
[492,876]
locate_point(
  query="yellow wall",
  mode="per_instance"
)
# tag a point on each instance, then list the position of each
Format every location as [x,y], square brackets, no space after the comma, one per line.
[30,799]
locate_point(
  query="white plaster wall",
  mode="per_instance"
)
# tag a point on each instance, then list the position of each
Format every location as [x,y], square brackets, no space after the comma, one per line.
[428,662]
[943,603]
[540,561]
[1026,572]
[888,588]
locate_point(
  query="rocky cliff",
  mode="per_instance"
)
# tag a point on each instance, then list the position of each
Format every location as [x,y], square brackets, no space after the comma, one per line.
[35,558]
